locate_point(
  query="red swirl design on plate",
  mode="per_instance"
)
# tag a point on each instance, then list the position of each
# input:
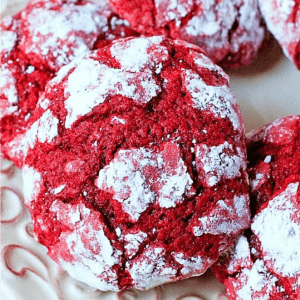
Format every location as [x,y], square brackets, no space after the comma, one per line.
[11,205]
[127,295]
[222,296]
[195,296]
[8,168]
[13,253]
[16,258]
[29,229]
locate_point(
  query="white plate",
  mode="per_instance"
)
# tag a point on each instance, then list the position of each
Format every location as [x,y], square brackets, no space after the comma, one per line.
[266,90]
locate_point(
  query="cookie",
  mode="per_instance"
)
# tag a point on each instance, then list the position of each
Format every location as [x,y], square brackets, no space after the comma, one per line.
[36,43]
[231,32]
[135,171]
[283,20]
[264,264]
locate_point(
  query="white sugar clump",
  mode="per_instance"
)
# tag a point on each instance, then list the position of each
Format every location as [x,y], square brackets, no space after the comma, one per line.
[32,182]
[240,257]
[127,178]
[219,100]
[59,189]
[278,231]
[219,162]
[150,270]
[8,41]
[91,82]
[133,242]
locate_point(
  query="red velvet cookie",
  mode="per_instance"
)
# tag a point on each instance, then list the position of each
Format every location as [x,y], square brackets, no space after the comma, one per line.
[35,44]
[283,20]
[135,171]
[265,263]
[231,32]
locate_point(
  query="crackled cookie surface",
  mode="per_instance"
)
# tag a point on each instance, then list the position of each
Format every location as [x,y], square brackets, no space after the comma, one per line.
[283,20]
[135,167]
[265,263]
[230,32]
[35,44]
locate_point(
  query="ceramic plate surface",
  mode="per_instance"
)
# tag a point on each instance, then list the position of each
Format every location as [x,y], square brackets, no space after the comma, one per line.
[266,90]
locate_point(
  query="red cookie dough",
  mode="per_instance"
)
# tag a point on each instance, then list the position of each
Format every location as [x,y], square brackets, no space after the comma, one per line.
[231,32]
[135,172]
[35,44]
[283,20]
[265,263]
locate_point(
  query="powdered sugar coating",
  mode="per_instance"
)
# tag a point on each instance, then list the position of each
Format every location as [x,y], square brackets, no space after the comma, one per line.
[96,80]
[43,130]
[127,177]
[85,243]
[230,210]
[278,229]
[219,162]
[265,262]
[61,32]
[8,40]
[35,44]
[219,100]
[133,242]
[33,181]
[227,30]
[128,156]
[283,20]
[8,86]
[151,271]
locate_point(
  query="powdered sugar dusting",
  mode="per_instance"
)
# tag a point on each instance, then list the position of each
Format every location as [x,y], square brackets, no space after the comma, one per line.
[204,62]
[222,218]
[190,265]
[255,281]
[64,33]
[240,257]
[126,181]
[8,89]
[283,20]
[43,130]
[84,250]
[8,41]
[217,99]
[94,81]
[250,30]
[218,162]
[172,10]
[135,54]
[58,189]
[278,229]
[151,270]
[32,181]
[137,177]
[133,242]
